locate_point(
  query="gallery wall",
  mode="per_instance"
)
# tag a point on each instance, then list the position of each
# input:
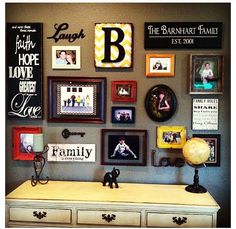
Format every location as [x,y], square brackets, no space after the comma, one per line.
[84,16]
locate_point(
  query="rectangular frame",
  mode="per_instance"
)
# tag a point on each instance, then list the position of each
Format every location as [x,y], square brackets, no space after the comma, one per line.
[124,91]
[71,57]
[77,99]
[214,142]
[135,153]
[171,137]
[205,114]
[160,65]
[206,74]
[21,139]
[123,115]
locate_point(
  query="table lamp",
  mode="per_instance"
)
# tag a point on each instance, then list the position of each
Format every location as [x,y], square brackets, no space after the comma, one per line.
[39,161]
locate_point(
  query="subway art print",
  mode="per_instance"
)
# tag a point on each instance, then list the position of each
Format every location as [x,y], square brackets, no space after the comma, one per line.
[24,70]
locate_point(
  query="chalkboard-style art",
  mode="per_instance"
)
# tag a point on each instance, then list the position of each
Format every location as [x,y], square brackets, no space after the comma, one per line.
[23,142]
[24,70]
[160,65]
[160,103]
[113,45]
[171,137]
[206,74]
[76,99]
[123,147]
[66,57]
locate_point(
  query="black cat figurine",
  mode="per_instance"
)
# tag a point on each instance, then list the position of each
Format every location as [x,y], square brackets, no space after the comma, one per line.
[110,177]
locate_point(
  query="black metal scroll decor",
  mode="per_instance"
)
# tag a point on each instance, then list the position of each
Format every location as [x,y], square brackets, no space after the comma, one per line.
[108,217]
[66,133]
[179,220]
[24,70]
[39,215]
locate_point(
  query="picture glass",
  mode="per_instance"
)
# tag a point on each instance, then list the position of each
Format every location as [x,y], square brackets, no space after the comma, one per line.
[123,114]
[160,65]
[26,142]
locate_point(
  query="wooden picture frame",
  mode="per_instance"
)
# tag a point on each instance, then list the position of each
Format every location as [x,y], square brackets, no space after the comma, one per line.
[77,99]
[171,137]
[124,91]
[206,74]
[160,103]
[123,115]
[160,65]
[22,138]
[214,142]
[133,153]
[66,57]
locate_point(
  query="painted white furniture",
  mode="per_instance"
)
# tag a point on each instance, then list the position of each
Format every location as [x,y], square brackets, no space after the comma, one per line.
[89,204]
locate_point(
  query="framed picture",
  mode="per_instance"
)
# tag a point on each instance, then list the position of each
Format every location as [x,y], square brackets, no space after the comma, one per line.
[160,65]
[214,142]
[113,45]
[124,91]
[206,74]
[205,113]
[123,115]
[123,147]
[171,137]
[76,99]
[160,103]
[66,57]
[23,141]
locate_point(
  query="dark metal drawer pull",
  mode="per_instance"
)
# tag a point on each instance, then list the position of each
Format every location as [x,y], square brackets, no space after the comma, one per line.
[108,217]
[179,221]
[39,215]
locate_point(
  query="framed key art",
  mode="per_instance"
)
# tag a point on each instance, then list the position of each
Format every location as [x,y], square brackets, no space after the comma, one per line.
[77,99]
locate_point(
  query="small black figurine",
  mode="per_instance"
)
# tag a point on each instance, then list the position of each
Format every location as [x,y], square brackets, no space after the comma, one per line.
[110,177]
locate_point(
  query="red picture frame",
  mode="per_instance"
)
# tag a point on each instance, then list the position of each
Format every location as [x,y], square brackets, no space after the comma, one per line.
[124,91]
[22,136]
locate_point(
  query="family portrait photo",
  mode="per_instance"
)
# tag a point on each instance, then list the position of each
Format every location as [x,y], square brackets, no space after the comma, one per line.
[123,115]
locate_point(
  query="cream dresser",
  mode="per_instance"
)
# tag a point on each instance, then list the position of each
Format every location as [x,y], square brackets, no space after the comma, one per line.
[89,204]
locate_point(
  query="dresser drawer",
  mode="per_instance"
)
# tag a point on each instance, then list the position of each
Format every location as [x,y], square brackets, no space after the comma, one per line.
[178,220]
[119,218]
[40,215]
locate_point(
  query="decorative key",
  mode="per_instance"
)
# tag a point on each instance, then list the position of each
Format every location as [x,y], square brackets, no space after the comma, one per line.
[66,133]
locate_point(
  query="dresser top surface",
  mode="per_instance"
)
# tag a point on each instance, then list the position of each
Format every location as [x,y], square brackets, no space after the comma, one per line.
[126,193]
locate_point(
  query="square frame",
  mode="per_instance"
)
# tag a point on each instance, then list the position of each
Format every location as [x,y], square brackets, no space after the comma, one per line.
[206,74]
[135,153]
[124,91]
[171,137]
[123,115]
[160,65]
[77,99]
[20,137]
[71,58]
[214,142]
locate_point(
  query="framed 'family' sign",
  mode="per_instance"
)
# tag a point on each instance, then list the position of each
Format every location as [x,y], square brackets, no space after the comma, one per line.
[113,45]
[24,70]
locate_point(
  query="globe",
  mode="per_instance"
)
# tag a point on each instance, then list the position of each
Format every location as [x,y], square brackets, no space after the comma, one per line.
[196,151]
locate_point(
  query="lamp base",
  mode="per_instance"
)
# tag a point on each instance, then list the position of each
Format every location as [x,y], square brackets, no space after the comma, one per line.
[195,188]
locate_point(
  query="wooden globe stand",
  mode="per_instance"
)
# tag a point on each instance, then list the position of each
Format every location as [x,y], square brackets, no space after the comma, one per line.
[195,187]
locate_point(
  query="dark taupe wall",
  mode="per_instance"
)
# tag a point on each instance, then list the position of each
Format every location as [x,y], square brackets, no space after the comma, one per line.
[215,179]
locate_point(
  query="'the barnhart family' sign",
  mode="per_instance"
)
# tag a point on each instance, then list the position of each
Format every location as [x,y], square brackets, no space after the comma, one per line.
[24,70]
[72,152]
[183,35]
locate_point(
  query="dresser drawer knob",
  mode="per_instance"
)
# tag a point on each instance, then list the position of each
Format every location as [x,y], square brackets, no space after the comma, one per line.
[39,215]
[108,217]
[179,221]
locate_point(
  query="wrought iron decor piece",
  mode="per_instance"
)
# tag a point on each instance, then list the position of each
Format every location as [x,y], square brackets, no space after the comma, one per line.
[39,215]
[66,133]
[108,217]
[179,220]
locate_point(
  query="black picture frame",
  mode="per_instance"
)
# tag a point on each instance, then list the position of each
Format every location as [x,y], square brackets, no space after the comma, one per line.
[123,115]
[90,108]
[160,111]
[134,154]
[214,142]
